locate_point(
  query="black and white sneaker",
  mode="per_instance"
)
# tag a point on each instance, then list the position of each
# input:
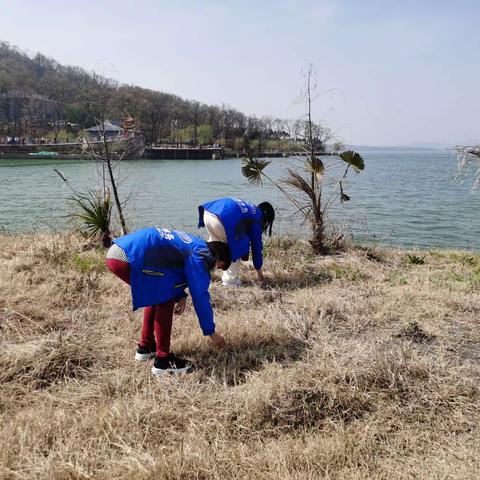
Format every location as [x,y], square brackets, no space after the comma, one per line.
[144,353]
[170,364]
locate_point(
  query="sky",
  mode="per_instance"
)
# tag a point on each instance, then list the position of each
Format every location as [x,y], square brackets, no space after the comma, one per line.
[387,72]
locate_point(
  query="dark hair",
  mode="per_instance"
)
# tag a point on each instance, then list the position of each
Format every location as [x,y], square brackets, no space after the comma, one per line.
[221,251]
[268,217]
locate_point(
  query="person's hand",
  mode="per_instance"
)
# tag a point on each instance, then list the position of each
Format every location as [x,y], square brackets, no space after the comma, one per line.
[180,306]
[217,340]
[260,276]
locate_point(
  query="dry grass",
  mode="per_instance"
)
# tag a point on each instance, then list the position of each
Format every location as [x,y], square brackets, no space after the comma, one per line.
[358,366]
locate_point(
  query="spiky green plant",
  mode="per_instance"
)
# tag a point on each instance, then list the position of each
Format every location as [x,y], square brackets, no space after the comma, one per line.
[93,214]
[415,259]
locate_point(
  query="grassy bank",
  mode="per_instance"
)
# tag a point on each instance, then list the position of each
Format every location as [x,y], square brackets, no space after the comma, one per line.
[361,365]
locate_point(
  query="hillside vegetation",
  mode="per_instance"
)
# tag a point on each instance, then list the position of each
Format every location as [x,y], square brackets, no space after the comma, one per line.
[354,366]
[39,96]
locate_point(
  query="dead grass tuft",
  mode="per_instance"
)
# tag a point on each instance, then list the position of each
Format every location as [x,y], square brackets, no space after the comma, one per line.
[415,333]
[306,408]
[40,364]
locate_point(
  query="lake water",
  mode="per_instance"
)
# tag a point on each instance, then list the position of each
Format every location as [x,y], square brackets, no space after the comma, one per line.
[403,198]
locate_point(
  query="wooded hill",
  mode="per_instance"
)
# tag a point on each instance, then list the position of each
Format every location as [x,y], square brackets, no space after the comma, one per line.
[41,97]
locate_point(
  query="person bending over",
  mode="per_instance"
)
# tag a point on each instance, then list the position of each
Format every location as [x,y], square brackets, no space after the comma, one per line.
[240,224]
[159,264]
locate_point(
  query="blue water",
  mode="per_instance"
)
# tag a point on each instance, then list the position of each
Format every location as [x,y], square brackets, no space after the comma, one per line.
[403,198]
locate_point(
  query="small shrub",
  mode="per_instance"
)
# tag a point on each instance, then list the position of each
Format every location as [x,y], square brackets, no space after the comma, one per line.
[93,215]
[375,254]
[415,260]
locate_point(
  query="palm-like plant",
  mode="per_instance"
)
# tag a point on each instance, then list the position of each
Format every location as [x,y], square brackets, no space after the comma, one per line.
[93,212]
[93,215]
[303,187]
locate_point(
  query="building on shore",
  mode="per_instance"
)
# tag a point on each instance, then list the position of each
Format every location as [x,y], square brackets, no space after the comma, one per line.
[111,131]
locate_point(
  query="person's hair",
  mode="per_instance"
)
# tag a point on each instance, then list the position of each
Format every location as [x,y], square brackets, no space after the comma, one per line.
[268,217]
[221,251]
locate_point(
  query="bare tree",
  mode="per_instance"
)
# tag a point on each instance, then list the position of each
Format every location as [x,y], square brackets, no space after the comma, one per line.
[110,151]
[469,163]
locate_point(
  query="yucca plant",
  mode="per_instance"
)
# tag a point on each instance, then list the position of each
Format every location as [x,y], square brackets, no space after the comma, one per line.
[415,260]
[93,214]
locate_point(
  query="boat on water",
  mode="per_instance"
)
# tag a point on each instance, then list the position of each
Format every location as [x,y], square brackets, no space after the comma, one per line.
[44,154]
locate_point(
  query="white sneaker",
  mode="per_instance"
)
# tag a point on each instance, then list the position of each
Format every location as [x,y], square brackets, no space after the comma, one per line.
[171,364]
[232,283]
[143,354]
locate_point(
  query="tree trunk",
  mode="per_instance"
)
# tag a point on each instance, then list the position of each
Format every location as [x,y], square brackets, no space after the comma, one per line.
[106,239]
[318,239]
[108,162]
[117,199]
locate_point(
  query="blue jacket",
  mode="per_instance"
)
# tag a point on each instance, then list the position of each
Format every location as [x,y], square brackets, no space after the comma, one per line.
[163,263]
[243,226]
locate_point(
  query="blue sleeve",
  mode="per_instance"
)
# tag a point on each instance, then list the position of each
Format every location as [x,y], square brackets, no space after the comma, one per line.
[256,245]
[198,279]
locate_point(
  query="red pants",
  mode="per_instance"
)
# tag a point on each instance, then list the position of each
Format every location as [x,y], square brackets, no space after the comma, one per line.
[157,319]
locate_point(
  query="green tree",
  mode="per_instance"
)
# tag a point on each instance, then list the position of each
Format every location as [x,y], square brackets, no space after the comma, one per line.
[239,143]
[205,134]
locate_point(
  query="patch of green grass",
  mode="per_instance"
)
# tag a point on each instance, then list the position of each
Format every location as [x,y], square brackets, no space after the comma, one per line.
[86,263]
[463,258]
[456,277]
[275,246]
[347,272]
[475,277]
[397,278]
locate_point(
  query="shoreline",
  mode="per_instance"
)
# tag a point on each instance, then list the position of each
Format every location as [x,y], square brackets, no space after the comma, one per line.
[355,243]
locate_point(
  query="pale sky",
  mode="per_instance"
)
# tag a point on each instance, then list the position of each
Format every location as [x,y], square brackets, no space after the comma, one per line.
[399,72]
